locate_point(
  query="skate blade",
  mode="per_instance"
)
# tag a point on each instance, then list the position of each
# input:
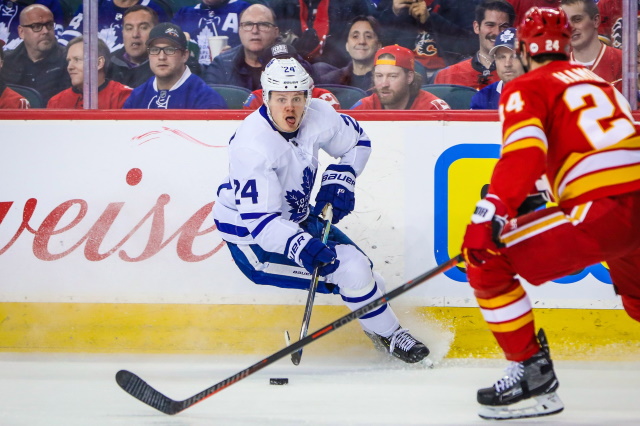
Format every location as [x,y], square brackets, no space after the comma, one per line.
[538,406]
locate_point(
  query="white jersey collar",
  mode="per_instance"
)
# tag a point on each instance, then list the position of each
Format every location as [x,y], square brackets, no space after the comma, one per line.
[185,75]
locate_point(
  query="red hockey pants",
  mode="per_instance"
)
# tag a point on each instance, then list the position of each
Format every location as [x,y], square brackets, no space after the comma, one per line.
[551,243]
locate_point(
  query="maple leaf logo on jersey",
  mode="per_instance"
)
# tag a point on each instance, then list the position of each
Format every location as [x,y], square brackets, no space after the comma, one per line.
[299,201]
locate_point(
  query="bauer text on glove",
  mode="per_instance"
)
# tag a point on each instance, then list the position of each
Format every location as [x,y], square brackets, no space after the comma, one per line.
[338,185]
[312,253]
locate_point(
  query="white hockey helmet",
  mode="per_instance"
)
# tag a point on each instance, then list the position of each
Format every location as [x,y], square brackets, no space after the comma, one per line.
[285,75]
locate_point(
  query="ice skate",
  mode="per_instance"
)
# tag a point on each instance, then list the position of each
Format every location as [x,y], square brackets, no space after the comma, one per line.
[401,345]
[527,389]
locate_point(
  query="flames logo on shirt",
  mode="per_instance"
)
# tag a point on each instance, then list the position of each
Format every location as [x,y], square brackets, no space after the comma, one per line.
[616,34]
[299,201]
[426,45]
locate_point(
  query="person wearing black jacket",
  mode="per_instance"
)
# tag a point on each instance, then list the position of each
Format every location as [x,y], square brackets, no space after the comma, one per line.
[39,61]
[316,27]
[446,25]
[240,65]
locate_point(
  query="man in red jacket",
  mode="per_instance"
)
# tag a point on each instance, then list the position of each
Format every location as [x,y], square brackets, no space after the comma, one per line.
[111,94]
[492,17]
[586,47]
[397,85]
[9,98]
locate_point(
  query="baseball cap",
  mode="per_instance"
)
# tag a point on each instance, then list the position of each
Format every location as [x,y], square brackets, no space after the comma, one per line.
[168,31]
[506,38]
[402,57]
[279,50]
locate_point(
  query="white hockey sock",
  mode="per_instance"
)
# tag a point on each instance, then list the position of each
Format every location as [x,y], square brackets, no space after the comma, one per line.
[382,320]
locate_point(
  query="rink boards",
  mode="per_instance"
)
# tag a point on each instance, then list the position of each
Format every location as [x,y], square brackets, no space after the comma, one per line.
[107,243]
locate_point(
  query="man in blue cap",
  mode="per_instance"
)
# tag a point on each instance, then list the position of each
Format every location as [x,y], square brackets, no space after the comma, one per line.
[508,67]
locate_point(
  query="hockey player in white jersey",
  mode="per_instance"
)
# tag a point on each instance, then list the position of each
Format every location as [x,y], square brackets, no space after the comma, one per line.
[263,208]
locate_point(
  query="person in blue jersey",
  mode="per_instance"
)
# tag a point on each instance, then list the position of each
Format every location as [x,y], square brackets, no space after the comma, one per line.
[211,18]
[508,67]
[110,13]
[263,206]
[10,19]
[173,86]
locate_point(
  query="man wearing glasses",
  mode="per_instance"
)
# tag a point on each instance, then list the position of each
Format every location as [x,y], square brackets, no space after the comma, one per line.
[10,19]
[240,66]
[173,86]
[39,61]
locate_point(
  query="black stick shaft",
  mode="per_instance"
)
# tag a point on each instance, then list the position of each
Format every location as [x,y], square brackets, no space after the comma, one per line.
[141,390]
[327,213]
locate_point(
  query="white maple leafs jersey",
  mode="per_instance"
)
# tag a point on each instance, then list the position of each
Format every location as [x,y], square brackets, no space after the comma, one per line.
[268,190]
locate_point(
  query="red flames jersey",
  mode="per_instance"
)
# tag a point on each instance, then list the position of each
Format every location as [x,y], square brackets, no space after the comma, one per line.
[611,21]
[110,96]
[608,65]
[12,99]
[578,130]
[424,101]
[464,74]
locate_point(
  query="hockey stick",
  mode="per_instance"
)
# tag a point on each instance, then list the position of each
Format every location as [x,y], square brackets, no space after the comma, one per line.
[327,214]
[141,390]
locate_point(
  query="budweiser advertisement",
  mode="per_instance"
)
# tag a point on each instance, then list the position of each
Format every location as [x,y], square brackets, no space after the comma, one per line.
[119,211]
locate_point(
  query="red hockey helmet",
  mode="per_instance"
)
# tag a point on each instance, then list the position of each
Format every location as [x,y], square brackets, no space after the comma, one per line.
[544,30]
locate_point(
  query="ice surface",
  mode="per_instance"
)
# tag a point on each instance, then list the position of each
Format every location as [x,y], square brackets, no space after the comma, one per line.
[71,389]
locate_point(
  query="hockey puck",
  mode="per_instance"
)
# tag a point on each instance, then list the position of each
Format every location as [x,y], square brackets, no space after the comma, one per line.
[278,381]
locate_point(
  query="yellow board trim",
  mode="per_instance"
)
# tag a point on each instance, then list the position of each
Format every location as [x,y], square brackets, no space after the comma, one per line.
[577,334]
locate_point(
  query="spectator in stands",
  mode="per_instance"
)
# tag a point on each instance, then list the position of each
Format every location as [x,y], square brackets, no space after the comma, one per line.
[38,62]
[450,24]
[130,64]
[610,29]
[10,17]
[110,13]
[211,18]
[10,98]
[492,17]
[240,66]
[282,51]
[508,67]
[397,85]
[363,41]
[111,94]
[315,27]
[586,47]
[173,85]
[521,6]
[408,20]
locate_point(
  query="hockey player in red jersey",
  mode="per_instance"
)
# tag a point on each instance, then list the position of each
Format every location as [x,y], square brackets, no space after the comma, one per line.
[579,131]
